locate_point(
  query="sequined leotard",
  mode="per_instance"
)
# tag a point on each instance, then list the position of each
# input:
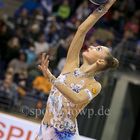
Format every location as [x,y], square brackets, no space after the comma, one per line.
[62,124]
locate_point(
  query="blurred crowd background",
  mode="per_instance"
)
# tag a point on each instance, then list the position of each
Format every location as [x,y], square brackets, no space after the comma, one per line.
[48,26]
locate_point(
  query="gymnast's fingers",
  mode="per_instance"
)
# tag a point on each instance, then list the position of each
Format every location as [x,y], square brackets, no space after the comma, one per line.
[43,58]
[39,67]
[46,60]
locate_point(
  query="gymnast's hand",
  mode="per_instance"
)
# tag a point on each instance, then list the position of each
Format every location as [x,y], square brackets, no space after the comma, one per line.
[44,67]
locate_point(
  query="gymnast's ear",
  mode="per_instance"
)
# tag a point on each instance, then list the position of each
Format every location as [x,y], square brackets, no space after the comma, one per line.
[101,62]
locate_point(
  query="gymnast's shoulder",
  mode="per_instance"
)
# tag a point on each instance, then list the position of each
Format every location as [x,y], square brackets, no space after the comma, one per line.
[94,86]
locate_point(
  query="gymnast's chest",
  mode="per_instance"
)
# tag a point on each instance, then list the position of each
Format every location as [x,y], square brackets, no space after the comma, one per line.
[74,83]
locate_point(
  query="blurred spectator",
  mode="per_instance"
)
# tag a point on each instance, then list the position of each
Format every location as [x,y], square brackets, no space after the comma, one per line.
[33,72]
[133,25]
[103,36]
[31,56]
[117,21]
[8,89]
[33,32]
[128,5]
[41,45]
[10,71]
[19,64]
[83,11]
[23,40]
[63,48]
[5,35]
[127,45]
[42,84]
[23,19]
[39,15]
[52,31]
[13,49]
[64,10]
[21,79]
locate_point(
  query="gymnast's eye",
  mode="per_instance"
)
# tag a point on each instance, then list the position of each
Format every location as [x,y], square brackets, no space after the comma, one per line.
[98,48]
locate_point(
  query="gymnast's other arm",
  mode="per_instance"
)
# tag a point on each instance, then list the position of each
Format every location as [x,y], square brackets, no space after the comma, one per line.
[82,97]
[77,42]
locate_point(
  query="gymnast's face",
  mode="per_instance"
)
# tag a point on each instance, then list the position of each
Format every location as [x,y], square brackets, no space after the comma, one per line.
[92,54]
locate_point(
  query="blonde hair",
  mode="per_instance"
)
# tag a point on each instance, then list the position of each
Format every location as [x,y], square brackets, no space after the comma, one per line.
[111,62]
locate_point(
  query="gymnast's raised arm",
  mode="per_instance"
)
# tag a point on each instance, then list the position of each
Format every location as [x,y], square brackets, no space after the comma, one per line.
[72,60]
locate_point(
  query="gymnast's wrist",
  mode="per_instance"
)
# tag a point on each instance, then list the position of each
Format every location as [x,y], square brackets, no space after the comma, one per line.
[55,81]
[102,9]
[58,81]
[52,79]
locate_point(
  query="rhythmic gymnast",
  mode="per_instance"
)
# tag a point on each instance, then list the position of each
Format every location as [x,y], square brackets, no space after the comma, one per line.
[75,87]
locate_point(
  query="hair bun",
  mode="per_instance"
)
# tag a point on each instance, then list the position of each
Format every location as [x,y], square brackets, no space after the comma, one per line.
[111,62]
[115,63]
